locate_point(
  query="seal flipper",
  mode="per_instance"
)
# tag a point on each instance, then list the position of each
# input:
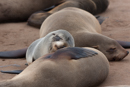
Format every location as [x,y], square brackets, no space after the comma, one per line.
[12,71]
[73,53]
[124,44]
[77,52]
[100,19]
[13,54]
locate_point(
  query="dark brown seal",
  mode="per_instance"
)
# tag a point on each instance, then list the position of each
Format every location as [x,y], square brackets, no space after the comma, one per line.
[20,10]
[92,6]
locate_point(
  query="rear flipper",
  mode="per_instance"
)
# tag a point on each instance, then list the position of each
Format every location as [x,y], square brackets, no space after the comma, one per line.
[124,44]
[100,19]
[12,71]
[13,54]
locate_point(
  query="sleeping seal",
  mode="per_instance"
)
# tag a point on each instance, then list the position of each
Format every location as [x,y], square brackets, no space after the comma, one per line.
[85,30]
[92,6]
[67,67]
[20,10]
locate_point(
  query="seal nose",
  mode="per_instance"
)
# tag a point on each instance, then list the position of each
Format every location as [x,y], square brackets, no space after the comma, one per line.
[57,38]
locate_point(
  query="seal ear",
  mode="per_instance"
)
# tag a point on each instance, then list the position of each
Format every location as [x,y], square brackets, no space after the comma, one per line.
[96,47]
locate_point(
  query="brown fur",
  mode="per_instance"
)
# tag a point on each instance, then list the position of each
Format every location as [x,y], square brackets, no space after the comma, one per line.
[92,6]
[20,10]
[85,29]
[62,71]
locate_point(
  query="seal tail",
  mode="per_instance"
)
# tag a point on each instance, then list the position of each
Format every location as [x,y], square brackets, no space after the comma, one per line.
[124,44]
[14,54]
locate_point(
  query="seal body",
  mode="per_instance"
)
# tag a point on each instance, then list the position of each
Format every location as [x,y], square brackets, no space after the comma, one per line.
[119,86]
[85,29]
[20,10]
[67,67]
[50,43]
[92,6]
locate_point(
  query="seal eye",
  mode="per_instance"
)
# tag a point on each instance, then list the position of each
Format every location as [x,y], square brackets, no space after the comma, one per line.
[111,50]
[68,39]
[53,34]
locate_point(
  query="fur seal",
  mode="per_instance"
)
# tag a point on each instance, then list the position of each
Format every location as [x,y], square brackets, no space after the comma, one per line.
[15,10]
[67,67]
[92,6]
[86,31]
[50,43]
[84,28]
[20,10]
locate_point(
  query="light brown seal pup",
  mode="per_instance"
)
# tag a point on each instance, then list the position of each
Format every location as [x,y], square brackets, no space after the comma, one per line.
[67,67]
[50,43]
[20,10]
[85,29]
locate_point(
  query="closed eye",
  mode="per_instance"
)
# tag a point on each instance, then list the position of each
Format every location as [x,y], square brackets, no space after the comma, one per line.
[53,34]
[68,39]
[111,50]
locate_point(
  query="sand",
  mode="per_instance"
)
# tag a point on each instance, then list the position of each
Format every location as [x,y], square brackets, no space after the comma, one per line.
[15,36]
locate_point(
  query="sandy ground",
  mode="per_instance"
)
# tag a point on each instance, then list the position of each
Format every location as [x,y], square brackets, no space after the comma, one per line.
[15,36]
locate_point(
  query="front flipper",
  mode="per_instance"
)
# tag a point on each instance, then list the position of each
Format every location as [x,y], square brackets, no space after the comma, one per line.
[100,19]
[72,53]
[13,54]
[77,52]
[124,44]
[12,71]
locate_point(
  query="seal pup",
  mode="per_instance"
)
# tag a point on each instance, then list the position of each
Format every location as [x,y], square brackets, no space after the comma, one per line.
[67,67]
[85,30]
[50,43]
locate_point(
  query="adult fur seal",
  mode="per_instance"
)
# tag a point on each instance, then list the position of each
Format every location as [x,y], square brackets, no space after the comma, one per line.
[67,67]
[20,10]
[50,43]
[92,6]
[85,29]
